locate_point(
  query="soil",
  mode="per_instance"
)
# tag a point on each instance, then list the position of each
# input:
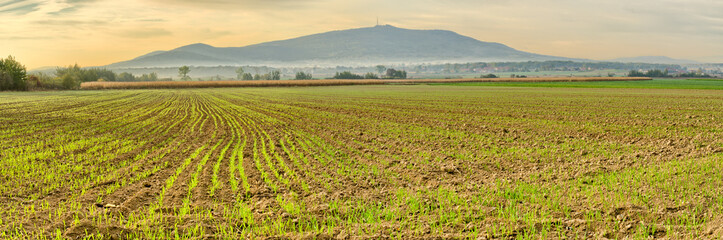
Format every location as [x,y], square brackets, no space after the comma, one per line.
[337,153]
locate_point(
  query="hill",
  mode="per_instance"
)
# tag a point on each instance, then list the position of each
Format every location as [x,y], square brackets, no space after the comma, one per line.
[654,59]
[354,47]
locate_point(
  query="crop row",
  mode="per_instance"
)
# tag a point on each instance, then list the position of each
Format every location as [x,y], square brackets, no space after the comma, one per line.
[373,161]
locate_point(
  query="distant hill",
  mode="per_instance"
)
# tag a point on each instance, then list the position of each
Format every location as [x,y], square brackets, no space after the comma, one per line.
[355,47]
[654,59]
[45,70]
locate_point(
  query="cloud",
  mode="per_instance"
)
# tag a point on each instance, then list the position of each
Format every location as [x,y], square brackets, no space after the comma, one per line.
[144,33]
[42,7]
[152,20]
[27,38]
[18,7]
[574,28]
[70,23]
[238,4]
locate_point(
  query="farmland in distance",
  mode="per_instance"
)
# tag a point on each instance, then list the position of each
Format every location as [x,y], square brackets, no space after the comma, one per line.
[349,162]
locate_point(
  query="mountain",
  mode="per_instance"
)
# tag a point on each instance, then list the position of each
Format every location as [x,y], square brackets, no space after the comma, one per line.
[354,47]
[654,59]
[44,70]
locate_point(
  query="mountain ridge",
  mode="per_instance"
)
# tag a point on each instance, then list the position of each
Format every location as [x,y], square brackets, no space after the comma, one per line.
[382,44]
[654,59]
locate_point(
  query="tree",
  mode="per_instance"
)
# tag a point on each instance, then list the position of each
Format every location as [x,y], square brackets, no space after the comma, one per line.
[275,75]
[394,74]
[695,74]
[13,75]
[381,69]
[370,76]
[247,76]
[489,76]
[240,73]
[105,74]
[347,75]
[303,76]
[5,81]
[650,73]
[81,75]
[635,73]
[46,81]
[183,73]
[150,77]
[70,82]
[70,77]
[125,77]
[34,81]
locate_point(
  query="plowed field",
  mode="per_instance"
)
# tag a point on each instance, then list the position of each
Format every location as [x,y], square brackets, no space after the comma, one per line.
[358,162]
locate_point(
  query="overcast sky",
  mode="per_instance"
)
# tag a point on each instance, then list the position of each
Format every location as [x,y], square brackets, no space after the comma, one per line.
[99,32]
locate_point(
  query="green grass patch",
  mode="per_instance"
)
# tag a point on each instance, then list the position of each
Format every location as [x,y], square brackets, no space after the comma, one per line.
[708,79]
[660,83]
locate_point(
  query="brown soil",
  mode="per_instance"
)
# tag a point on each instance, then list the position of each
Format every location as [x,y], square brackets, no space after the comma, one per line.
[340,154]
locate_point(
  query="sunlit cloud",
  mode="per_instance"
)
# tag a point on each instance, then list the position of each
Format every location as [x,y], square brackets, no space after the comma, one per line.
[18,7]
[144,33]
[99,32]
[237,4]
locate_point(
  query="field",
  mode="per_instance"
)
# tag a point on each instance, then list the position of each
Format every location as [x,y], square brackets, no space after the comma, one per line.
[360,162]
[336,82]
[658,83]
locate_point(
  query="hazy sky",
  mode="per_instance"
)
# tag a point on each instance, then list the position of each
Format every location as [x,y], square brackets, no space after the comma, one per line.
[98,32]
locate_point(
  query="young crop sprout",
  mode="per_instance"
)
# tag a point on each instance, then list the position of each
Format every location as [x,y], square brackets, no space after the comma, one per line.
[442,159]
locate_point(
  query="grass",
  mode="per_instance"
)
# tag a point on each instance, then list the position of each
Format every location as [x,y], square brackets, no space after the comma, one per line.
[658,83]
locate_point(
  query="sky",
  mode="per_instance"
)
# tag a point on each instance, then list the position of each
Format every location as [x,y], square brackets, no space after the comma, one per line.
[99,32]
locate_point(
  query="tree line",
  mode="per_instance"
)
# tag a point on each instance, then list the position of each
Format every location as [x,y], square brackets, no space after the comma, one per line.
[389,74]
[13,76]
[72,76]
[273,75]
[659,73]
